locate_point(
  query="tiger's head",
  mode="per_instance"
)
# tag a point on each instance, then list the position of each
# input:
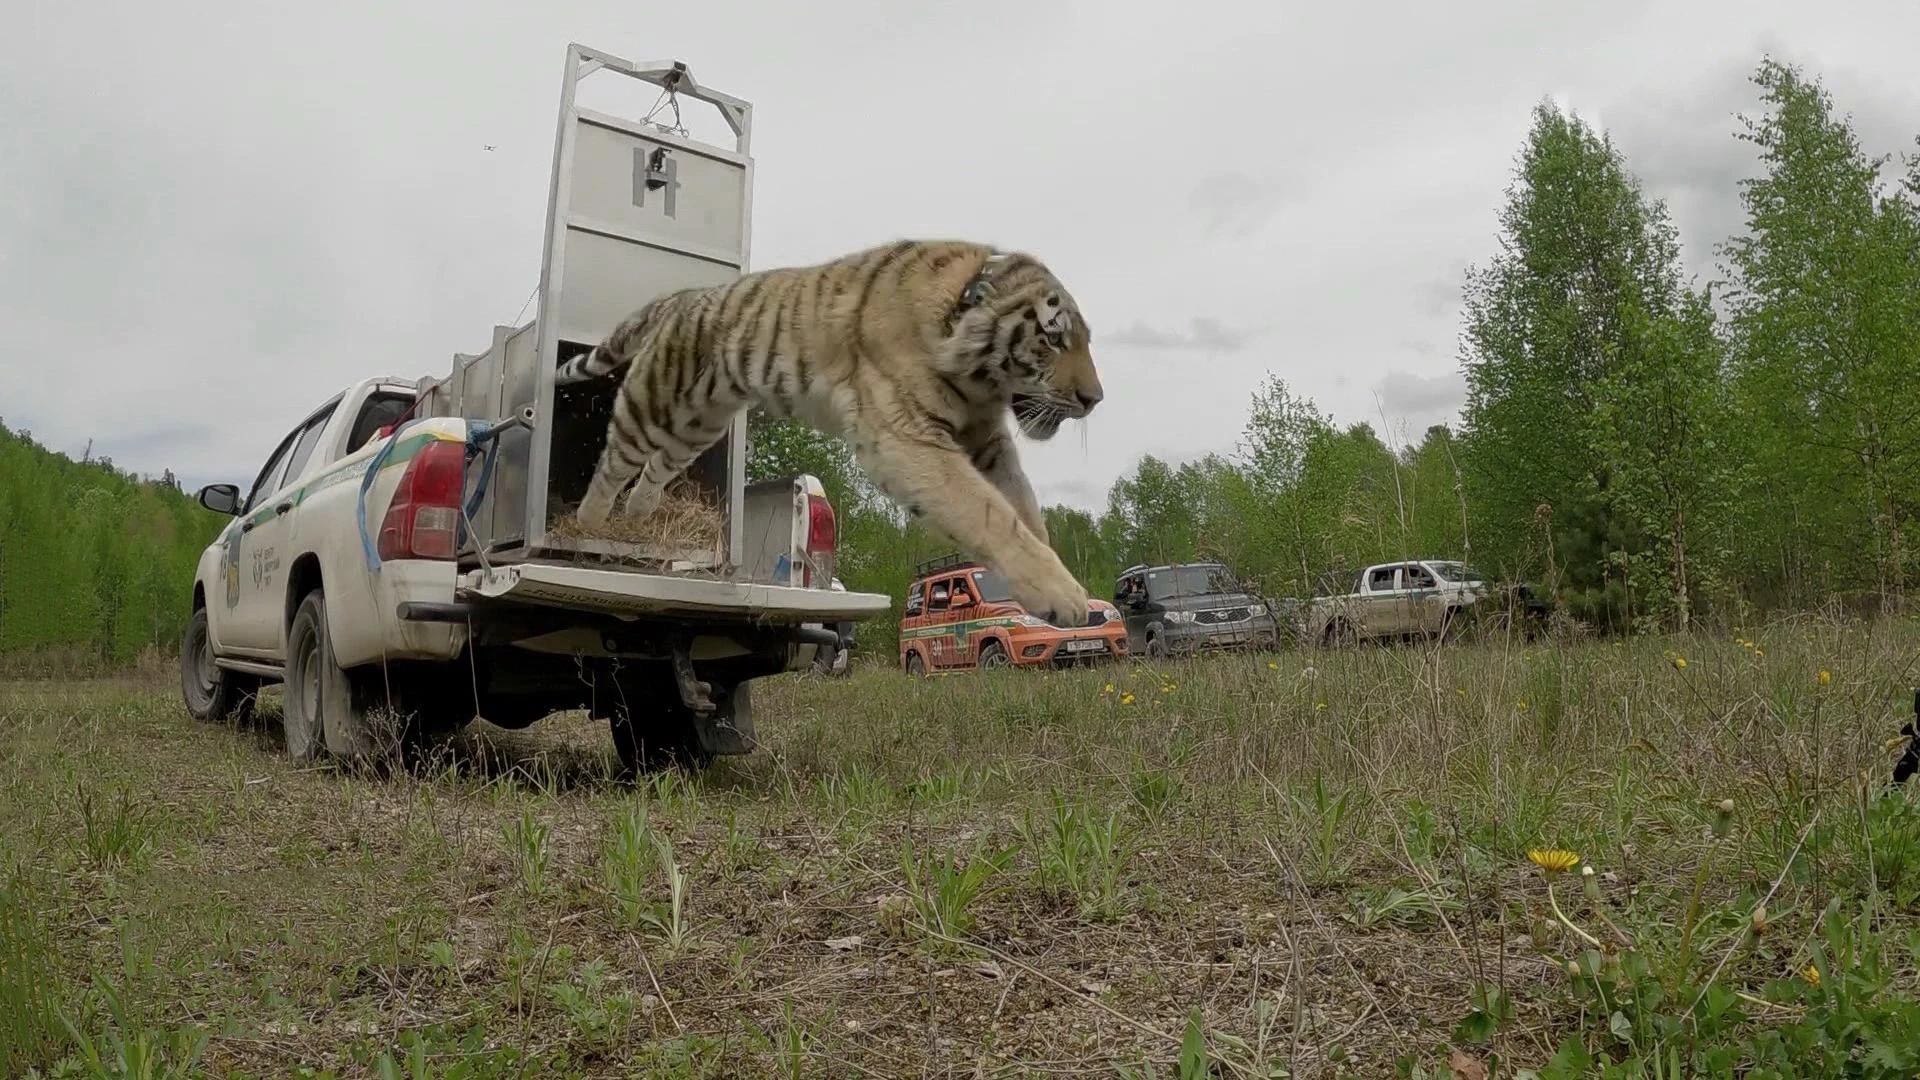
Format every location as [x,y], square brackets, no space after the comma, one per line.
[1036,347]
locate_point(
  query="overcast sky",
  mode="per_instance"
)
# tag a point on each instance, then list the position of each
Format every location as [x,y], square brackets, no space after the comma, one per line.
[212,217]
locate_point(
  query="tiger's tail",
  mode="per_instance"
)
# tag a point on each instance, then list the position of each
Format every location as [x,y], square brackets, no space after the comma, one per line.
[616,352]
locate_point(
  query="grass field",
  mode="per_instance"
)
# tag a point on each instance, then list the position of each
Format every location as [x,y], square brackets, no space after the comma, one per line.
[1313,864]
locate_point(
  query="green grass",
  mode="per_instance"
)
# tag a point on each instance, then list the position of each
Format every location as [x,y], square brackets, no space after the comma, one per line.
[1313,864]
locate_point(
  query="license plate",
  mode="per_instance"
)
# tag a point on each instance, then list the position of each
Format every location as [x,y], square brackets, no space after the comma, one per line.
[1086,646]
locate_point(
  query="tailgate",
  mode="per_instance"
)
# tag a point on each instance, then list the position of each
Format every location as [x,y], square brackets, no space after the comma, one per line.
[620,592]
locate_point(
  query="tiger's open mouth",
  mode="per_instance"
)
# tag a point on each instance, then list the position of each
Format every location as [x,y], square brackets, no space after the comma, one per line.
[1039,416]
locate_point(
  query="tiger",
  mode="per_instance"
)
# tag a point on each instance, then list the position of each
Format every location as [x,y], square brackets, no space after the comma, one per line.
[914,353]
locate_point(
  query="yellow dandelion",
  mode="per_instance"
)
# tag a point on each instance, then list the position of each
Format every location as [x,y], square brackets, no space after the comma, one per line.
[1521,705]
[1126,698]
[1680,662]
[1553,860]
[1273,665]
[1108,689]
[1824,678]
[1813,975]
[1319,706]
[1170,688]
[1461,690]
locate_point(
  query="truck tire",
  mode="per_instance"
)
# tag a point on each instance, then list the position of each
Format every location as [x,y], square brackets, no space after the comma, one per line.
[327,707]
[652,728]
[993,655]
[916,667]
[213,695]
[1156,643]
[1340,633]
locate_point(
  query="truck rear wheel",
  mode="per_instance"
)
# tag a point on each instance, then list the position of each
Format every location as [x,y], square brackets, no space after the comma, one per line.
[213,695]
[652,728]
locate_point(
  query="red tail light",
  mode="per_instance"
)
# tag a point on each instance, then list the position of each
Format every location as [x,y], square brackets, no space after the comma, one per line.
[423,520]
[823,532]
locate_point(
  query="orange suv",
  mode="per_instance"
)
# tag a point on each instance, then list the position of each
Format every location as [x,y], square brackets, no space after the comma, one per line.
[961,615]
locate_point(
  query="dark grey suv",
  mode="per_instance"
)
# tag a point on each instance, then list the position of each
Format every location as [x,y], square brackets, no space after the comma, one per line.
[1190,607]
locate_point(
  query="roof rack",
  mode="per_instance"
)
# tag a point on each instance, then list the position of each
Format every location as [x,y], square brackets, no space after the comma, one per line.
[944,562]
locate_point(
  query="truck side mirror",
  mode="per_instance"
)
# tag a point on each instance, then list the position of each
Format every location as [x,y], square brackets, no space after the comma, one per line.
[220,498]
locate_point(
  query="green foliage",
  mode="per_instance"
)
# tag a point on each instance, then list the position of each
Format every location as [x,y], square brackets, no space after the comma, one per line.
[94,564]
[944,887]
[1081,855]
[1825,331]
[1588,365]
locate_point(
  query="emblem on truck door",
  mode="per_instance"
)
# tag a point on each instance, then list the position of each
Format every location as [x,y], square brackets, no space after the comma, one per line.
[654,169]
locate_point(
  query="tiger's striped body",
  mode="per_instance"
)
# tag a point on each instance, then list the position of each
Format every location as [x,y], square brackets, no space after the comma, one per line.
[914,353]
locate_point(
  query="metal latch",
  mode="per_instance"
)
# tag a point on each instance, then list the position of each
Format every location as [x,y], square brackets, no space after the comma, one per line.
[654,169]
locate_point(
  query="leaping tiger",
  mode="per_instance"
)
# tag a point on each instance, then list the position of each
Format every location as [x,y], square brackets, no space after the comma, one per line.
[913,352]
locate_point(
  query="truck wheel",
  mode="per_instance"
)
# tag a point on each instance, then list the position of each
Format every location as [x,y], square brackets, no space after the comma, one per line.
[325,705]
[652,729]
[1340,633]
[1156,645]
[916,667]
[213,695]
[993,655]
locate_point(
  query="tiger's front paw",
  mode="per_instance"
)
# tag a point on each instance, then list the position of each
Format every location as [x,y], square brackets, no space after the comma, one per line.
[1057,598]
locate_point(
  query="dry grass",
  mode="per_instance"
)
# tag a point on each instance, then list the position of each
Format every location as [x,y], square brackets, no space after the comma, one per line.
[686,521]
[1321,855]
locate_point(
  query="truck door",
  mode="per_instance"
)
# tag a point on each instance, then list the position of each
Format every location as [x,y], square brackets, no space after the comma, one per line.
[964,606]
[256,561]
[1130,597]
[1422,607]
[1379,606]
[939,624]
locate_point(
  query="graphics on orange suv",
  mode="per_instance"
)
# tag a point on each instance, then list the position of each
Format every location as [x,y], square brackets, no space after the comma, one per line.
[960,614]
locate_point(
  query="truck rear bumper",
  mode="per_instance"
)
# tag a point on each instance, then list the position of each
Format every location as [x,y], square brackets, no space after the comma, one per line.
[632,595]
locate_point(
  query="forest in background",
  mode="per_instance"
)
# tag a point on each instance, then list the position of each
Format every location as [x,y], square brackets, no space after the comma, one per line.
[1650,450]
[95,564]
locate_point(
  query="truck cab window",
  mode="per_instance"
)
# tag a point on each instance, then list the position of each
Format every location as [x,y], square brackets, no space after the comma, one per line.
[303,448]
[268,481]
[380,410]
[938,601]
[916,596]
[1419,578]
[1381,579]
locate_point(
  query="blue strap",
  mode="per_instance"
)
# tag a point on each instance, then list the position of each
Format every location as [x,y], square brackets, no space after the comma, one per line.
[476,432]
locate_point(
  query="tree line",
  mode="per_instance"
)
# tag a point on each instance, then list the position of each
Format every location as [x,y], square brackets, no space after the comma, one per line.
[95,564]
[1647,450]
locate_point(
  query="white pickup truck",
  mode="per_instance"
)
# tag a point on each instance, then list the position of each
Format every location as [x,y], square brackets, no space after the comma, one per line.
[1419,598]
[398,561]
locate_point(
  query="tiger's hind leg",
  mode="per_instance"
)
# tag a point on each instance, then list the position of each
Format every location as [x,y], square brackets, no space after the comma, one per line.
[672,459]
[941,484]
[628,449]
